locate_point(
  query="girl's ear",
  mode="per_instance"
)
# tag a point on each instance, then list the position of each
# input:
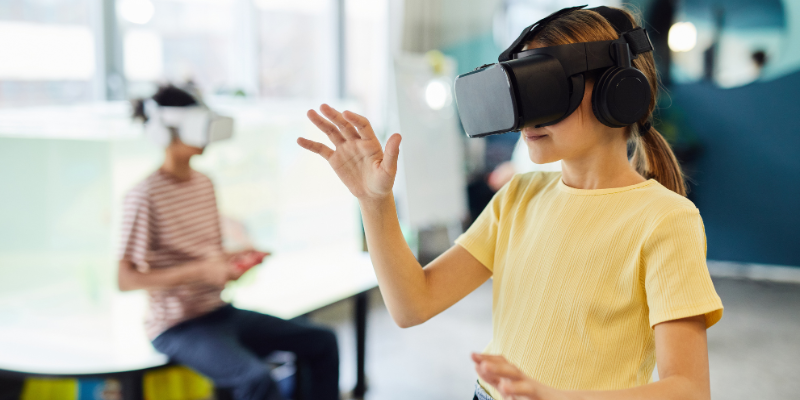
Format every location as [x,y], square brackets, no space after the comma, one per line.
[586,103]
[588,90]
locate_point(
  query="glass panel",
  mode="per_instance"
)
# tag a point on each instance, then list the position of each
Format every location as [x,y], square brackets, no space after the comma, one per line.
[297,48]
[63,185]
[70,12]
[732,43]
[269,48]
[367,57]
[180,41]
[48,51]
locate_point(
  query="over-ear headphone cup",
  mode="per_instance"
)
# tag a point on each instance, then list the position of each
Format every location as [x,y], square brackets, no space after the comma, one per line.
[598,96]
[621,97]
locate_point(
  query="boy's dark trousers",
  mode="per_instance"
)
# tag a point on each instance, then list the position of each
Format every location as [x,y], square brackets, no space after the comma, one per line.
[229,345]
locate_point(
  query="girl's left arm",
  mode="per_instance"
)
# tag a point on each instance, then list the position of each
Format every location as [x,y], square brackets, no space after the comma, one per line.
[682,360]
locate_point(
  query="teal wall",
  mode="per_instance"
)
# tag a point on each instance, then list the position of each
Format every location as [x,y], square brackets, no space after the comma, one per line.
[747,180]
[474,52]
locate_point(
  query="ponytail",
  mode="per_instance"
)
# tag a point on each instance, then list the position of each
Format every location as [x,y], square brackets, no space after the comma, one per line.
[653,158]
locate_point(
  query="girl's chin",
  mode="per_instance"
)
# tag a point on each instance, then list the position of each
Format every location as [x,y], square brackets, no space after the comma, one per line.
[542,162]
[538,158]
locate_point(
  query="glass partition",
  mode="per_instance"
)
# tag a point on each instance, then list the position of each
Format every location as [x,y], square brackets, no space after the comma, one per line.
[48,50]
[62,190]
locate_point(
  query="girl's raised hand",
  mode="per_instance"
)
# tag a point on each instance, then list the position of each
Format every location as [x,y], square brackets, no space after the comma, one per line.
[365,168]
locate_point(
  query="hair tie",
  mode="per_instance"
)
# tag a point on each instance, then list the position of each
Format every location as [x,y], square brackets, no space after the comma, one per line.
[643,129]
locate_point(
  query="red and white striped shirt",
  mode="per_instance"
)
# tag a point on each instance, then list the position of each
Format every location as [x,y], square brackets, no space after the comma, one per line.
[167,222]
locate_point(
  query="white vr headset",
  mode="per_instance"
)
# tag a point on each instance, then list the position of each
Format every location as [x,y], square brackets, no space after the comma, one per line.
[196,126]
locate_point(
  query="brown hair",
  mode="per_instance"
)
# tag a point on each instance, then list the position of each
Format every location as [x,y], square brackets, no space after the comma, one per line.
[167,95]
[652,155]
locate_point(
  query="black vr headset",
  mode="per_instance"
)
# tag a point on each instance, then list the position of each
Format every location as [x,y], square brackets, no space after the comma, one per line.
[545,85]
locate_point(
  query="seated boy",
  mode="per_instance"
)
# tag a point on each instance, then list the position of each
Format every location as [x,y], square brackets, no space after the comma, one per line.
[172,247]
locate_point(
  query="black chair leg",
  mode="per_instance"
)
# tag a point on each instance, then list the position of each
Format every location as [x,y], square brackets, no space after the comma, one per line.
[223,394]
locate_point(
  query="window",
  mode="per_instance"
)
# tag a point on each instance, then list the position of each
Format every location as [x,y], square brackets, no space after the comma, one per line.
[48,52]
[267,48]
[367,57]
[202,41]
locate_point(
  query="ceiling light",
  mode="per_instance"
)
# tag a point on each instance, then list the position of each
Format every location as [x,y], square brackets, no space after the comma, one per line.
[437,94]
[682,37]
[137,11]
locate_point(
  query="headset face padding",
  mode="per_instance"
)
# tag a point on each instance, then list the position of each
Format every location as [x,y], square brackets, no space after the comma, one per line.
[621,97]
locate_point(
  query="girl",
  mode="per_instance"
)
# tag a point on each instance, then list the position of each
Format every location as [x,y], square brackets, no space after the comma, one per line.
[596,269]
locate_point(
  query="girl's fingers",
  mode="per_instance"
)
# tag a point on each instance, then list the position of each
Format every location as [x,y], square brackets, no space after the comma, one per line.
[391,153]
[325,126]
[347,130]
[520,389]
[496,367]
[503,375]
[506,370]
[361,124]
[315,147]
[486,373]
[477,357]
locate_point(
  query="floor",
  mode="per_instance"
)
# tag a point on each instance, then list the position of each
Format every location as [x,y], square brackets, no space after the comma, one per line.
[754,351]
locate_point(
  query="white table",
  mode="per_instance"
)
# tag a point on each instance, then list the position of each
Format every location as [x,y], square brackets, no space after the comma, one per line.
[62,337]
[289,286]
[59,331]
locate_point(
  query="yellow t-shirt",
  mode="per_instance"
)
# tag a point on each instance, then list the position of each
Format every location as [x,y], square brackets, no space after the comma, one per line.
[580,277]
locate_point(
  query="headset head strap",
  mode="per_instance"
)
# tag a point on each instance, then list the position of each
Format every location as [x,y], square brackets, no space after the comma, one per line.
[531,32]
[616,18]
[637,38]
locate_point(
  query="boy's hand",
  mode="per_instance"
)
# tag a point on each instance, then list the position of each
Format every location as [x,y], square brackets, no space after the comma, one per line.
[243,261]
[215,271]
[359,161]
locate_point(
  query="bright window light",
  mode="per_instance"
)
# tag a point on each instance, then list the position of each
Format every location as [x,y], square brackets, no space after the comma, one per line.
[306,6]
[437,94]
[137,11]
[682,37]
[46,52]
[143,55]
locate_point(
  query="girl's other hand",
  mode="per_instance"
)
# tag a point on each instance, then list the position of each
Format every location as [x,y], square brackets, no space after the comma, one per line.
[510,381]
[359,161]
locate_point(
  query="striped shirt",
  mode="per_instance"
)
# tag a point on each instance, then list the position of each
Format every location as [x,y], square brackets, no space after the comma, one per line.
[168,222]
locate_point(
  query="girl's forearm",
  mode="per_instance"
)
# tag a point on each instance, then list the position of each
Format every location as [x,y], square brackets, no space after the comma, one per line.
[400,276]
[670,388]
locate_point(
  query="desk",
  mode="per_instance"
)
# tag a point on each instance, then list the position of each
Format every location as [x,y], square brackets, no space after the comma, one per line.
[56,331]
[75,339]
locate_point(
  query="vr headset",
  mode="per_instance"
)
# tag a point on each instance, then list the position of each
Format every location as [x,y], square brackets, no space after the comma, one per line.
[196,126]
[543,86]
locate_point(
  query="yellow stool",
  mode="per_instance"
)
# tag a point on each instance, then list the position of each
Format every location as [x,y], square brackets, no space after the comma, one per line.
[54,389]
[176,383]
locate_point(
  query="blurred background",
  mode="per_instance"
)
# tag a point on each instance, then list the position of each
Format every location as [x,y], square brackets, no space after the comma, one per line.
[69,151]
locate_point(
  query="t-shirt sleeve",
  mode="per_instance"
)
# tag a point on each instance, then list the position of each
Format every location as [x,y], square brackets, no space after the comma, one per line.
[480,239]
[677,281]
[136,237]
